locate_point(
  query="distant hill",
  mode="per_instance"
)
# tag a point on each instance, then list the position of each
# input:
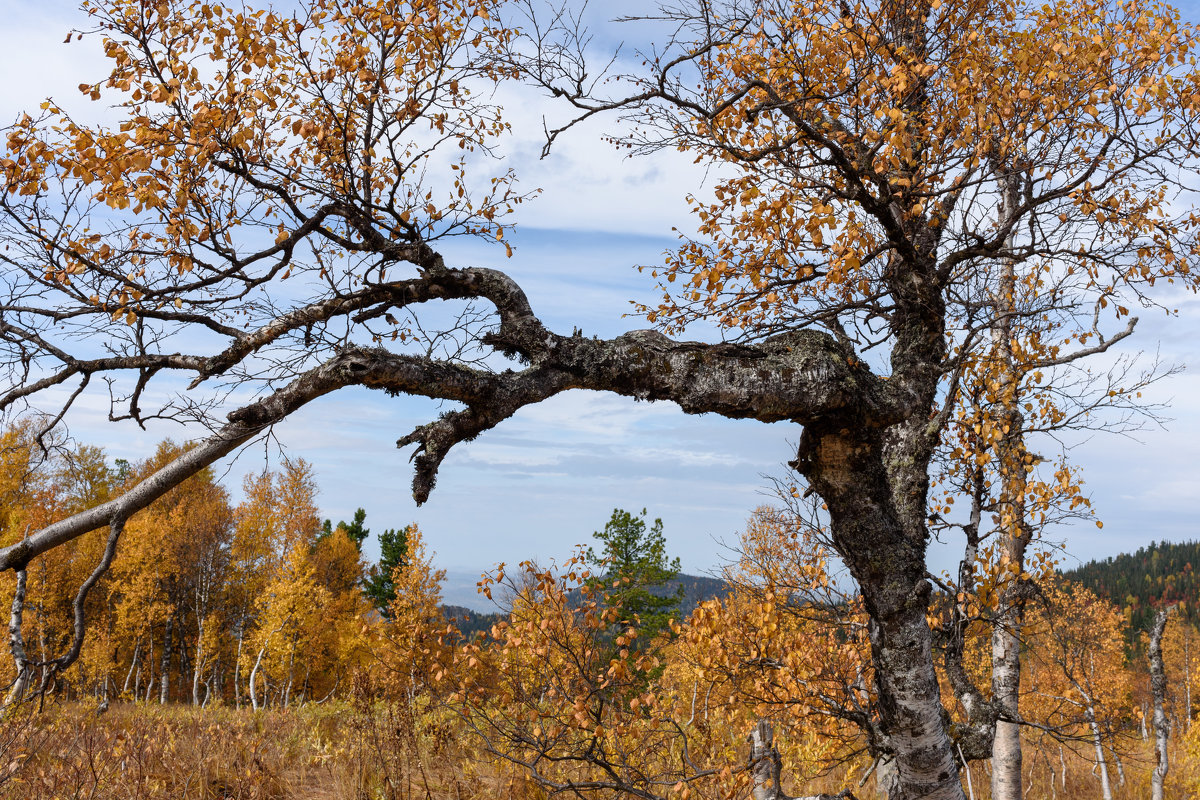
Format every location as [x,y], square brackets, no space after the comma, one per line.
[1159,574]
[471,623]
[481,614]
[460,589]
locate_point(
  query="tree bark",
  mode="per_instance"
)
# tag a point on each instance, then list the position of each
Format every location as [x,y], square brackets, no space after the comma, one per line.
[149,665]
[877,525]
[1015,534]
[287,691]
[765,764]
[198,665]
[258,662]
[17,644]
[1158,689]
[133,665]
[887,782]
[237,666]
[1098,742]
[164,688]
[254,678]
[766,768]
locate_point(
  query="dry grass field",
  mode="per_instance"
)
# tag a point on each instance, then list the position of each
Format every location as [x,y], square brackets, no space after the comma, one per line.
[341,751]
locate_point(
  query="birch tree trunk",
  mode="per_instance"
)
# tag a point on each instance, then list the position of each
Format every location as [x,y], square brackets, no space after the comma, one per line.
[765,764]
[16,643]
[887,780]
[1097,740]
[133,665]
[254,677]
[165,668]
[199,662]
[287,691]
[766,768]
[1158,689]
[237,666]
[149,665]
[1015,535]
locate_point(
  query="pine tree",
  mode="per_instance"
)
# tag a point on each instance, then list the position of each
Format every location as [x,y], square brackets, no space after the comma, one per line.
[380,586]
[354,529]
[633,561]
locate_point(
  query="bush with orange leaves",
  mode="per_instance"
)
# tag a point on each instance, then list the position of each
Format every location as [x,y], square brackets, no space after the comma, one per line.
[563,698]
[559,699]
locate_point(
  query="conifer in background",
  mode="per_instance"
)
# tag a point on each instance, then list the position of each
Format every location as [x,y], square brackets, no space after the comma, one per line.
[632,563]
[380,585]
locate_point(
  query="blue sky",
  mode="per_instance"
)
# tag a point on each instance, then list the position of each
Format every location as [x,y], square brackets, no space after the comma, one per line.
[549,477]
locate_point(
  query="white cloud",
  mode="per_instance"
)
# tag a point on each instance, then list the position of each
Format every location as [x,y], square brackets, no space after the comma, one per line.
[689,458]
[500,455]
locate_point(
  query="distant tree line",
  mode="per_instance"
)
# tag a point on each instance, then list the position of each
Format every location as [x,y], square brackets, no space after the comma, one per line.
[1158,575]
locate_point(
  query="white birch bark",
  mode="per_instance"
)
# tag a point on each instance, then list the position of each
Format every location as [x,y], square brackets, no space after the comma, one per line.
[137,645]
[237,667]
[16,643]
[1098,742]
[258,662]
[1158,689]
[165,668]
[1015,535]
[254,677]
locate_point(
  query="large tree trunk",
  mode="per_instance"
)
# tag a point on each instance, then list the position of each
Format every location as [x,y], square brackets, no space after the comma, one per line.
[1158,688]
[877,523]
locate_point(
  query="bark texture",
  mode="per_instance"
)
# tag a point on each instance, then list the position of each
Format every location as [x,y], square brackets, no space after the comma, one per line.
[766,768]
[1015,532]
[16,643]
[1158,689]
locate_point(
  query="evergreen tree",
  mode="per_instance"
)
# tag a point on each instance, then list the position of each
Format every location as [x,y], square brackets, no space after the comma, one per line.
[354,529]
[633,562]
[380,586]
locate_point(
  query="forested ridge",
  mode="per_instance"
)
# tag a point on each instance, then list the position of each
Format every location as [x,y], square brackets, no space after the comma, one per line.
[1158,575]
